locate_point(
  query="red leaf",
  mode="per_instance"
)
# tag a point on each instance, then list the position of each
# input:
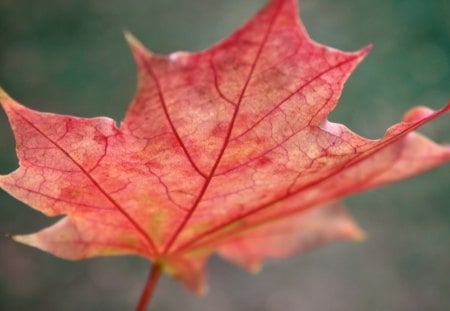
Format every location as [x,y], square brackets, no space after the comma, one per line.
[226,150]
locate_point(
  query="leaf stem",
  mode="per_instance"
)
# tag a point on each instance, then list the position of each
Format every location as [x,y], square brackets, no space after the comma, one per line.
[149,288]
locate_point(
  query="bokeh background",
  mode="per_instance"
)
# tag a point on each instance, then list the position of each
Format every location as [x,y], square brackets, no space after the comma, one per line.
[69,56]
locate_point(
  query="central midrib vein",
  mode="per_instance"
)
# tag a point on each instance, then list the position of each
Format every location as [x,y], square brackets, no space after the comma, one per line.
[210,176]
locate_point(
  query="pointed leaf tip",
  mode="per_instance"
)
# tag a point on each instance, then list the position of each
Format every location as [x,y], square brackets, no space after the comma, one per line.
[367,49]
[255,268]
[202,290]
[20,238]
[131,39]
[363,52]
[3,95]
[138,49]
[361,236]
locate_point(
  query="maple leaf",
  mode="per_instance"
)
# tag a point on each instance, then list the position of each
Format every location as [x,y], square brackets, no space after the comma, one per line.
[227,150]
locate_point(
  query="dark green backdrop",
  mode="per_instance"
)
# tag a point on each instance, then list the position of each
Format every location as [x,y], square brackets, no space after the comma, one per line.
[69,56]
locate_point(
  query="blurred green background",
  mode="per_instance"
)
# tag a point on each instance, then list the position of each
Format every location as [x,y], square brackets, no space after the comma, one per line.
[69,56]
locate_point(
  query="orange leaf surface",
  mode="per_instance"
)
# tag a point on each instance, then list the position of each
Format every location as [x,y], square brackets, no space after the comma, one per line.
[227,150]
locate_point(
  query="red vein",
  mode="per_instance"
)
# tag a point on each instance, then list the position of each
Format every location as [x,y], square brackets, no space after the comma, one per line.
[301,87]
[282,215]
[97,185]
[166,189]
[313,183]
[57,199]
[216,83]
[202,192]
[162,100]
[276,146]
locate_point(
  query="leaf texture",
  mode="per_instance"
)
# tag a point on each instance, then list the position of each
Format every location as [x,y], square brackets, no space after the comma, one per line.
[227,149]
